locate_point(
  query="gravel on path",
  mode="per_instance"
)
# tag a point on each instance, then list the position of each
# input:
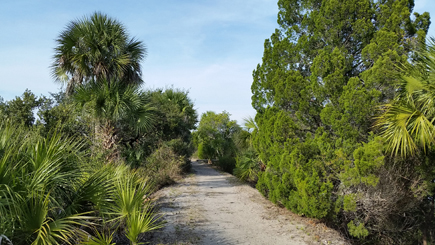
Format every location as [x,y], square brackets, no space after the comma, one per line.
[210,207]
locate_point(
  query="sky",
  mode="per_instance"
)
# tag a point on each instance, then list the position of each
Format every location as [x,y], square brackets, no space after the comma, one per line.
[208,47]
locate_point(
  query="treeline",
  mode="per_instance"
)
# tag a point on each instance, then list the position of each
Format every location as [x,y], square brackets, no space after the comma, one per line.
[79,166]
[345,125]
[228,145]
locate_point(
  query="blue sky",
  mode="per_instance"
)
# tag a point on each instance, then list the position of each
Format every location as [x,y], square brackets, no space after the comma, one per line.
[207,47]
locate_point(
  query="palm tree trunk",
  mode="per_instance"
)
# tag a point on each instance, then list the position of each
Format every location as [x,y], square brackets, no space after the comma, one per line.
[108,138]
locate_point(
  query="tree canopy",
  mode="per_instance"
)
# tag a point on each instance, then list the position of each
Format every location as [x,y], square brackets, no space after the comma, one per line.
[97,47]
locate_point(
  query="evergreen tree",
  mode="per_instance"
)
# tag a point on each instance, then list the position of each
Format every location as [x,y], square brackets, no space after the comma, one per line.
[322,75]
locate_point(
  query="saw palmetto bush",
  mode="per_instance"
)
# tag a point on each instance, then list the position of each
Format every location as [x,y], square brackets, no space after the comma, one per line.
[407,123]
[247,165]
[52,192]
[407,126]
[37,177]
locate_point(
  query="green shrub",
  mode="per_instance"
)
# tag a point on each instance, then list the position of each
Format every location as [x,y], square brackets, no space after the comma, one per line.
[163,166]
[227,163]
[201,153]
[183,149]
[247,166]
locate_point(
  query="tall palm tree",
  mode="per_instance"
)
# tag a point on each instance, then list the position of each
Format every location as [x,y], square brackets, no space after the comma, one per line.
[407,123]
[97,48]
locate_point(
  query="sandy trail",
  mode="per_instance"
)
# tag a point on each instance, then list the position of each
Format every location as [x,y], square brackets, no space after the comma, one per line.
[209,207]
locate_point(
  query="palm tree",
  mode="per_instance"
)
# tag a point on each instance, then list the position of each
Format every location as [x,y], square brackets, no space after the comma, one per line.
[97,48]
[116,108]
[407,123]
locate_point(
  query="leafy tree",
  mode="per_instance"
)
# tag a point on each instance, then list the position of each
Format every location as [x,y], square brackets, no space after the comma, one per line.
[214,135]
[94,48]
[60,114]
[21,109]
[177,116]
[322,75]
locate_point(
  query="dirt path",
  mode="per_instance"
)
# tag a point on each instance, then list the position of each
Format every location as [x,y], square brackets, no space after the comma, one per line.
[209,207]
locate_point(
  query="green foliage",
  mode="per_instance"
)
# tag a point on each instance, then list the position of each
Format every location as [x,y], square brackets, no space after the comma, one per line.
[63,179]
[51,191]
[247,165]
[349,202]
[227,163]
[215,138]
[407,122]
[20,110]
[36,176]
[98,239]
[177,116]
[201,151]
[139,222]
[117,109]
[115,103]
[60,113]
[324,72]
[215,133]
[357,231]
[174,116]
[164,166]
[368,159]
[407,127]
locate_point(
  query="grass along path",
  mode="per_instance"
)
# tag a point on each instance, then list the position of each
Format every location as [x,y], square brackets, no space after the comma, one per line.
[210,207]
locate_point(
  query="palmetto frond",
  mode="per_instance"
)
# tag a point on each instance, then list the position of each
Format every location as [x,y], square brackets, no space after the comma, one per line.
[36,178]
[141,221]
[250,124]
[98,239]
[407,123]
[406,128]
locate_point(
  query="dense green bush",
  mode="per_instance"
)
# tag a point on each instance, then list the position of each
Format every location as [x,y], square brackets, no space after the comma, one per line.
[214,139]
[324,72]
[227,163]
